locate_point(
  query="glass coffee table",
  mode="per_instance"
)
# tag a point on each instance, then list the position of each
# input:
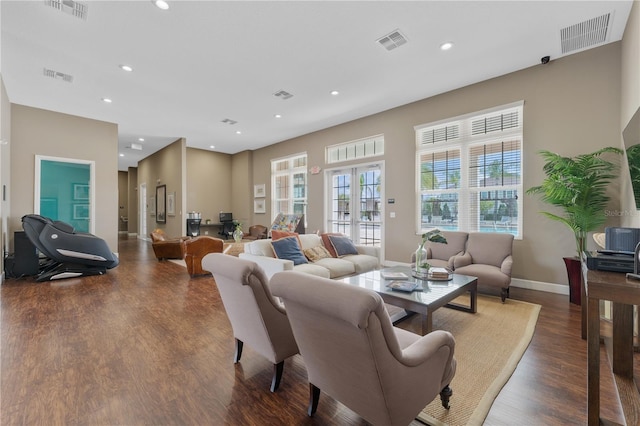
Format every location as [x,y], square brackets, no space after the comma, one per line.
[428,296]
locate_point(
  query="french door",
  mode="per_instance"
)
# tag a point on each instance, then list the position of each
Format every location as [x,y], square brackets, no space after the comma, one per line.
[354,202]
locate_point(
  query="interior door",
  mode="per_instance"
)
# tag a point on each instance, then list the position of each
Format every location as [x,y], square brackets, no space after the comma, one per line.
[354,203]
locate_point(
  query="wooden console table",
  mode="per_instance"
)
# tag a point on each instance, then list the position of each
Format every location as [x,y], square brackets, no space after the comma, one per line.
[624,293]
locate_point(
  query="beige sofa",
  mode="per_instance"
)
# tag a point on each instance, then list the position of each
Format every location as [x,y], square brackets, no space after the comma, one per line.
[261,252]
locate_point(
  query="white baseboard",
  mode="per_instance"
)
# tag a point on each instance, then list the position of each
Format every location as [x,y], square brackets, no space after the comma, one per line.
[515,282]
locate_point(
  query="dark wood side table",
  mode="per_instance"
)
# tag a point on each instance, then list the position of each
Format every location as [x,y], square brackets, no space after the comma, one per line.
[623,293]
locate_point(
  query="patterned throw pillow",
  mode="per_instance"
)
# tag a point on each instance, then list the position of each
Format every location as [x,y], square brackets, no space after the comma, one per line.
[342,245]
[316,253]
[288,248]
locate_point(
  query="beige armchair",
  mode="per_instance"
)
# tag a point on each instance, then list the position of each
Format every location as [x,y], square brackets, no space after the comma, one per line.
[354,354]
[488,257]
[256,317]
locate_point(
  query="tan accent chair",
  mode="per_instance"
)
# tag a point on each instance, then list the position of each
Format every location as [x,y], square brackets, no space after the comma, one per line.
[256,232]
[256,317]
[196,248]
[165,247]
[488,257]
[354,354]
[441,255]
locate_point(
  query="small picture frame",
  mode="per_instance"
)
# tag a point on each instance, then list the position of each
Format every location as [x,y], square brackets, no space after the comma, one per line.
[81,211]
[259,190]
[259,206]
[80,191]
[171,204]
[152,206]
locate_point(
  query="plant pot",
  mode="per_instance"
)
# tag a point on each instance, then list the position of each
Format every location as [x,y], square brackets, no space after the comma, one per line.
[574,273]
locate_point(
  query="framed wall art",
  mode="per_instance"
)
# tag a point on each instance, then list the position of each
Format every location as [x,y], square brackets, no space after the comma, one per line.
[259,206]
[171,204]
[161,204]
[259,190]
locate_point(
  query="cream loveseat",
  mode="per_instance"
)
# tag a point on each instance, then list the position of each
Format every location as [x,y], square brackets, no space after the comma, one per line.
[262,253]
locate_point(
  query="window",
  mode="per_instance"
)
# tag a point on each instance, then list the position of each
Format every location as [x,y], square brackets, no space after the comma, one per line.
[289,183]
[355,150]
[469,172]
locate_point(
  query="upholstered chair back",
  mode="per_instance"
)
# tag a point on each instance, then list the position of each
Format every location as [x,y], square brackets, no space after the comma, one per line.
[489,248]
[354,354]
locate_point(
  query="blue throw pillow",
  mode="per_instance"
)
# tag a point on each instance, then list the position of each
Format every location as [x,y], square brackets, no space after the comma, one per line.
[342,245]
[288,248]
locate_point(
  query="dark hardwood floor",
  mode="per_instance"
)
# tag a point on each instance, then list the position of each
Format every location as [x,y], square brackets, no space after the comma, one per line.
[146,344]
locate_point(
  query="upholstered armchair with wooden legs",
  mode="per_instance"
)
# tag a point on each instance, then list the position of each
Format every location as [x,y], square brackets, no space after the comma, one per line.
[198,247]
[165,247]
[488,257]
[257,318]
[355,355]
[256,232]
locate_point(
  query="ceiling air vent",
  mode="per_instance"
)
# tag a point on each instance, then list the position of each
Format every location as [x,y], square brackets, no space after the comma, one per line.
[283,94]
[229,121]
[136,146]
[73,8]
[392,40]
[57,75]
[585,34]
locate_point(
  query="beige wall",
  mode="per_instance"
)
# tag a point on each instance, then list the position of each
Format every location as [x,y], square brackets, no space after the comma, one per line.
[242,190]
[165,168]
[40,132]
[630,103]
[572,106]
[208,183]
[132,185]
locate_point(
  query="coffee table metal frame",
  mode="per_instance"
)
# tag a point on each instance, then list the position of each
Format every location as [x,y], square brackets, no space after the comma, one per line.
[428,296]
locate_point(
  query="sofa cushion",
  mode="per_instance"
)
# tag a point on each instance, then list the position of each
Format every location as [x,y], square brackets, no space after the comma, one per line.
[362,262]
[260,248]
[327,242]
[316,253]
[313,269]
[289,248]
[337,267]
[342,245]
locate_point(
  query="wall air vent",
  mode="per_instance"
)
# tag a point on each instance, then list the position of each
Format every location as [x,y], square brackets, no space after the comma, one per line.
[585,34]
[392,40]
[73,8]
[229,121]
[57,75]
[283,94]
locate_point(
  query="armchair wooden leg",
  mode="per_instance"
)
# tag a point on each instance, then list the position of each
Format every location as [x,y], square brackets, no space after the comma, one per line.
[504,294]
[277,375]
[445,394]
[314,397]
[238,354]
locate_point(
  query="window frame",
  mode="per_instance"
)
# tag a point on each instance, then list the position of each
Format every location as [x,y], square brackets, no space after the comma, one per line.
[292,172]
[432,139]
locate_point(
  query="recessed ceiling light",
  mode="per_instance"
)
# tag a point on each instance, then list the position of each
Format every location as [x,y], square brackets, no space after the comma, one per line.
[335,92]
[212,147]
[140,139]
[107,100]
[126,68]
[238,132]
[121,155]
[277,116]
[161,4]
[446,46]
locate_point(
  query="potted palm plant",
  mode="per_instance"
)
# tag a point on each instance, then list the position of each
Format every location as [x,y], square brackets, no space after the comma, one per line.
[578,186]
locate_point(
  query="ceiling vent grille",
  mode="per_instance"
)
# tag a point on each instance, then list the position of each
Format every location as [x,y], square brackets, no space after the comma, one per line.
[57,75]
[73,8]
[283,94]
[136,146]
[392,40]
[229,121]
[585,34]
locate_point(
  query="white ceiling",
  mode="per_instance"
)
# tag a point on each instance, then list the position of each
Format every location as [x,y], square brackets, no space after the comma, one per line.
[201,62]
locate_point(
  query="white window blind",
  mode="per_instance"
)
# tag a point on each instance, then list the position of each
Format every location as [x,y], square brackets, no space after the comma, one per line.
[355,150]
[469,172]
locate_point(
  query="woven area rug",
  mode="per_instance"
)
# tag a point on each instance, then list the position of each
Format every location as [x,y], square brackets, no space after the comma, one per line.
[489,345]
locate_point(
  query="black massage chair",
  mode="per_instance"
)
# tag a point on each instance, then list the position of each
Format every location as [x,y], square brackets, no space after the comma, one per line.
[70,254]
